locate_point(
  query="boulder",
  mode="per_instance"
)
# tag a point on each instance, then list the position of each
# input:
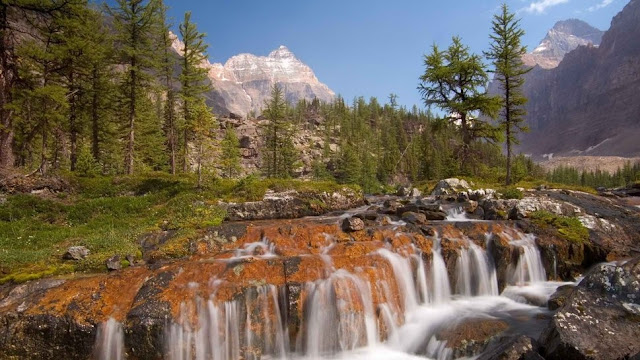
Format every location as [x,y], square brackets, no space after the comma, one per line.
[367,215]
[450,187]
[76,253]
[471,337]
[435,215]
[415,193]
[513,348]
[113,263]
[559,298]
[414,218]
[352,224]
[600,318]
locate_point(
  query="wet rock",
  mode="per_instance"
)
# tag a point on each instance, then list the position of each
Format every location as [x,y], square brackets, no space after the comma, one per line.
[513,348]
[435,215]
[76,253]
[471,337]
[352,224]
[113,263]
[559,298]
[598,320]
[414,218]
[450,187]
[369,215]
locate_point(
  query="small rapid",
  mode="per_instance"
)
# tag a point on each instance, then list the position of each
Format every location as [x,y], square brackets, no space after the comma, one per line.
[393,301]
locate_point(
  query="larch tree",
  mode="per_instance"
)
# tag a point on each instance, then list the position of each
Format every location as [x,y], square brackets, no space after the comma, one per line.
[454,80]
[202,127]
[230,153]
[134,22]
[193,79]
[167,67]
[506,54]
[280,154]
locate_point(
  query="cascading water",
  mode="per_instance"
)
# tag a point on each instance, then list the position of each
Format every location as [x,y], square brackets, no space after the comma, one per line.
[110,341]
[529,268]
[340,315]
[439,279]
[476,273]
[392,305]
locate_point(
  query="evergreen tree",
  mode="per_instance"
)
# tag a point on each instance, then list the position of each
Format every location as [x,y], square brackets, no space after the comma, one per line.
[280,154]
[454,81]
[506,53]
[167,66]
[134,22]
[192,78]
[230,157]
[201,127]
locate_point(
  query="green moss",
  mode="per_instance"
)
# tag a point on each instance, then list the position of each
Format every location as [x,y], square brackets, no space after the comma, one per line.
[109,214]
[36,273]
[569,228]
[511,193]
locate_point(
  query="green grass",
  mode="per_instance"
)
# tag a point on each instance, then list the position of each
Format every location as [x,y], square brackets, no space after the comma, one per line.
[109,214]
[569,228]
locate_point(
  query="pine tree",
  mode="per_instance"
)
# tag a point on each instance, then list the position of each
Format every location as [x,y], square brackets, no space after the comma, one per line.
[167,66]
[506,53]
[202,125]
[192,78]
[230,157]
[134,21]
[454,81]
[280,154]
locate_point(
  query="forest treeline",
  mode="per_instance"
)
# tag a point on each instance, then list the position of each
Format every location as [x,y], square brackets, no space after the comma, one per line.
[97,89]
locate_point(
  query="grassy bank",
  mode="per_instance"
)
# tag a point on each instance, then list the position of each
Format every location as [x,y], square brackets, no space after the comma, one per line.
[109,214]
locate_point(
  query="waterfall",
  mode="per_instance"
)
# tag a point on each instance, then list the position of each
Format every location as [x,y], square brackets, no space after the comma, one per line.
[110,341]
[439,279]
[457,214]
[220,334]
[476,273]
[404,278]
[339,315]
[529,268]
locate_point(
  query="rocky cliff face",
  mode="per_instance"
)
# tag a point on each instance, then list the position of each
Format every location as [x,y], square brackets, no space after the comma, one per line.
[563,38]
[588,104]
[244,82]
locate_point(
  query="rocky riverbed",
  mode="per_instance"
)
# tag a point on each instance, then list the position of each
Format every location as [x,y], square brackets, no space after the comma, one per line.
[454,274]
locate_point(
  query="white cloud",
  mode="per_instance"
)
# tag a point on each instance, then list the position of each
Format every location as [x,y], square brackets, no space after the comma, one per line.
[541,6]
[601,5]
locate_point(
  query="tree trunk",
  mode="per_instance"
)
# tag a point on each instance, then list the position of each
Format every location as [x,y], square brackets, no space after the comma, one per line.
[95,125]
[200,164]
[132,116]
[185,150]
[73,130]
[507,113]
[171,126]
[6,83]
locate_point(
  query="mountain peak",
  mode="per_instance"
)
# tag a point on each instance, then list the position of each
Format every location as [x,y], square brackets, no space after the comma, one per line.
[282,52]
[564,37]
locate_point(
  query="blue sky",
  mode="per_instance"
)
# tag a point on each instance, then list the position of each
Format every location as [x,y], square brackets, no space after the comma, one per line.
[374,47]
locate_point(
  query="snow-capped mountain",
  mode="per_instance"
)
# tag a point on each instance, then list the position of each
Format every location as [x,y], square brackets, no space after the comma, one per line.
[563,38]
[244,82]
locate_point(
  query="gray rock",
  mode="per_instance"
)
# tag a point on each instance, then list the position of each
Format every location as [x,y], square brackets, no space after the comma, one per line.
[595,321]
[435,215]
[450,187]
[414,218]
[559,298]
[352,224]
[76,253]
[113,263]
[513,348]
